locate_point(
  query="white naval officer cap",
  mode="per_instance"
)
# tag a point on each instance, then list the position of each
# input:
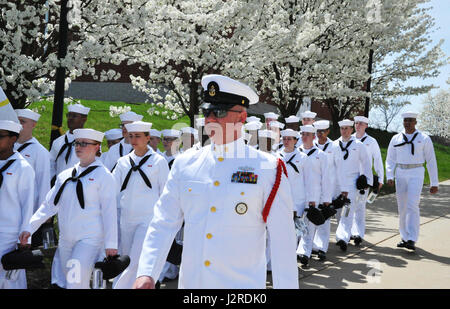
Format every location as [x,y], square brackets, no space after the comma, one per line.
[271,115]
[308,128]
[361,119]
[308,114]
[345,123]
[290,132]
[292,119]
[410,114]
[138,126]
[155,133]
[267,134]
[224,92]
[113,134]
[78,108]
[11,126]
[89,134]
[130,116]
[27,113]
[321,124]
[254,125]
[276,124]
[171,133]
[252,118]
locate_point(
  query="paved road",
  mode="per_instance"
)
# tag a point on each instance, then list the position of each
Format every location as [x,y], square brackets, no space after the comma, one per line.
[378,263]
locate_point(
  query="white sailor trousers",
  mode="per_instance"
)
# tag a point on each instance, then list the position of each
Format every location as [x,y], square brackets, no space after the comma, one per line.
[306,242]
[8,242]
[359,216]
[408,185]
[344,228]
[322,236]
[77,259]
[131,240]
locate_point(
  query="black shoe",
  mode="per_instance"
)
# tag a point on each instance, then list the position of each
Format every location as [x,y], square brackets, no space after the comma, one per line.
[401,244]
[314,252]
[358,240]
[353,237]
[157,285]
[342,245]
[304,260]
[410,245]
[322,256]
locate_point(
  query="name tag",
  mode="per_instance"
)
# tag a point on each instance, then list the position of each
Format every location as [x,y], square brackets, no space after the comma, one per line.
[244,177]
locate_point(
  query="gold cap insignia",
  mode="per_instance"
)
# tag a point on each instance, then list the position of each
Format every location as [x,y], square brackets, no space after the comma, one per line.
[212,91]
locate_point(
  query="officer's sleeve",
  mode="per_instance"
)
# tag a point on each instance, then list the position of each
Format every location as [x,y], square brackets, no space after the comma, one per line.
[167,220]
[430,158]
[391,160]
[108,204]
[282,238]
[366,163]
[378,161]
[26,194]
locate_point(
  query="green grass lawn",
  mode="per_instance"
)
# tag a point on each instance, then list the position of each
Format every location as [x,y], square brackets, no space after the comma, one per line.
[98,118]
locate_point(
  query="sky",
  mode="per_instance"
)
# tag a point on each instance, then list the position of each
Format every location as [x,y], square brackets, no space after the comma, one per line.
[441,14]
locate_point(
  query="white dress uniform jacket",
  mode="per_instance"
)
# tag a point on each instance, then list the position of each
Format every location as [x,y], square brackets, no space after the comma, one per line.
[39,159]
[115,153]
[60,164]
[409,181]
[224,232]
[16,207]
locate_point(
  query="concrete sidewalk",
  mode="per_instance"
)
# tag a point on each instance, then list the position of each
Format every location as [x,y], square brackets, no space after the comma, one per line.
[377,263]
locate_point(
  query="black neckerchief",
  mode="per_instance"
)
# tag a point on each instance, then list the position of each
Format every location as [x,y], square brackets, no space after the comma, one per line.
[345,149]
[23,147]
[69,149]
[292,164]
[79,185]
[135,168]
[408,142]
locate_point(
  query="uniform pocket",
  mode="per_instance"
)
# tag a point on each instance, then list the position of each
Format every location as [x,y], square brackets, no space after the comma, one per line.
[194,200]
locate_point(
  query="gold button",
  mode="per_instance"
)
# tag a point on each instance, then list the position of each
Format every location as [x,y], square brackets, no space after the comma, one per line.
[209,235]
[190,189]
[242,193]
[213,209]
[207,263]
[216,183]
[220,159]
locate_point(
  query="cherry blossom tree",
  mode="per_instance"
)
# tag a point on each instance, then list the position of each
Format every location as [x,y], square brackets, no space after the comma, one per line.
[435,117]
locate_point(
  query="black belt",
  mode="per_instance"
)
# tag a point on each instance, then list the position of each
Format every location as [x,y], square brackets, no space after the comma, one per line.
[345,149]
[4,168]
[69,150]
[135,168]
[408,142]
[79,185]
